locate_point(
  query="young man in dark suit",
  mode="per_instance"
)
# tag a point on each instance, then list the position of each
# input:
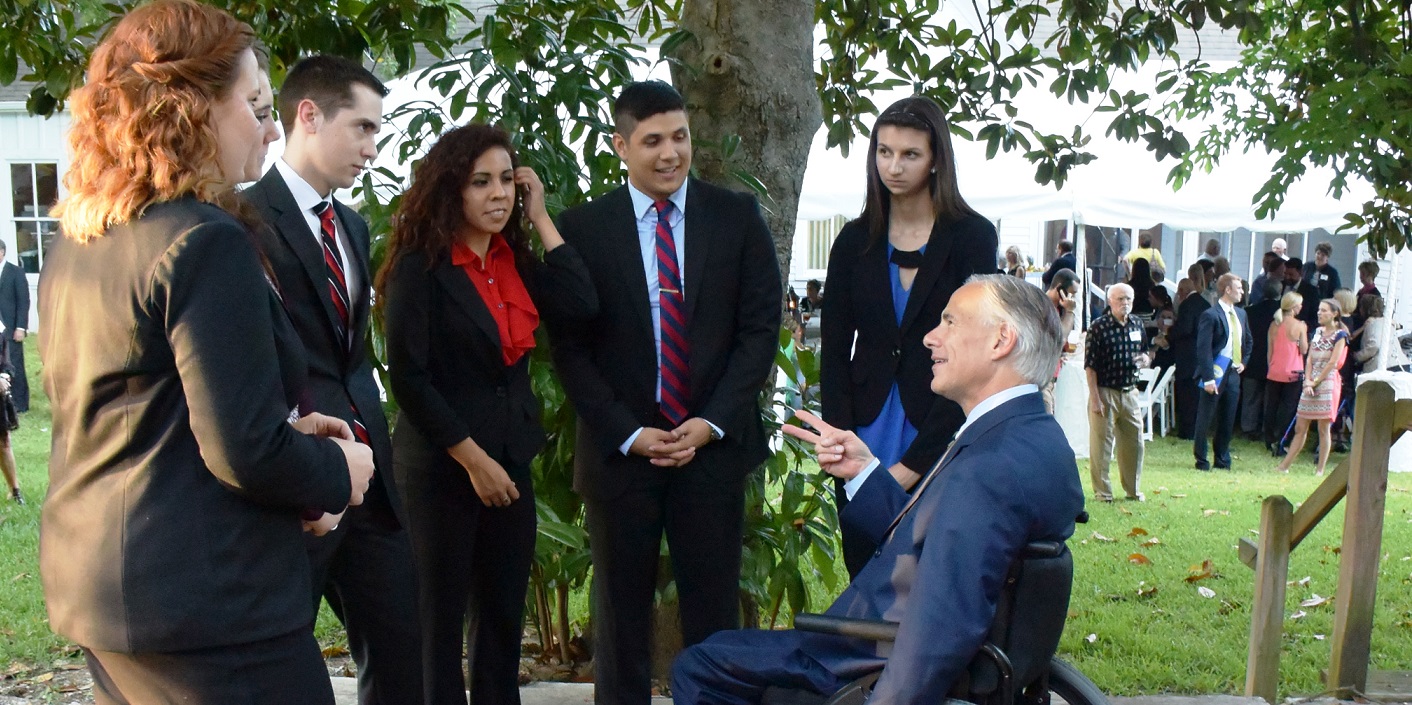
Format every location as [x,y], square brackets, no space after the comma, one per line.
[1223,333]
[14,314]
[665,381]
[938,572]
[331,111]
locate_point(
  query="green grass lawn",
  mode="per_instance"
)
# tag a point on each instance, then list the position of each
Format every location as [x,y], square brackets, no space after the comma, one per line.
[1132,628]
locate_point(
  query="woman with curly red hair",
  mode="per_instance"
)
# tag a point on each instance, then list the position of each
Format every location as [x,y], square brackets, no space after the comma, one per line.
[170,543]
[462,293]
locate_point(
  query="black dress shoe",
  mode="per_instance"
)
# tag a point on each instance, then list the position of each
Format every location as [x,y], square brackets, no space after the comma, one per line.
[1222,467]
[1203,466]
[17,497]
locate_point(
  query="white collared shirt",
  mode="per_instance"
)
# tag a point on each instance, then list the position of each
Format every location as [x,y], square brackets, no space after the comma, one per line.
[986,406]
[307,199]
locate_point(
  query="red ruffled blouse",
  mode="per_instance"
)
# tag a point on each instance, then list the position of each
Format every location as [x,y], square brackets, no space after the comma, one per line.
[504,294]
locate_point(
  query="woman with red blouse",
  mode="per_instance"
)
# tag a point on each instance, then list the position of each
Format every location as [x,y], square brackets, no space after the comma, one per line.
[462,294]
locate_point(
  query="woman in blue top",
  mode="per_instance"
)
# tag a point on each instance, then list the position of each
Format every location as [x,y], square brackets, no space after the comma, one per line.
[891,273]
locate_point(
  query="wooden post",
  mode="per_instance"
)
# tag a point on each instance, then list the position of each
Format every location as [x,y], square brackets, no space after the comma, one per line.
[1362,540]
[1267,614]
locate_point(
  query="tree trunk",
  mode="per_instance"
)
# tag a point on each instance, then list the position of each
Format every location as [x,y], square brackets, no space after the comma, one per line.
[748,71]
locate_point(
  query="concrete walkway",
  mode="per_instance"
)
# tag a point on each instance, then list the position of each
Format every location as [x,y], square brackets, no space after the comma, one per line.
[346,693]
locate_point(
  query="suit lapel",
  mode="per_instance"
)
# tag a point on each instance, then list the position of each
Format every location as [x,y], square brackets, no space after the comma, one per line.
[699,223]
[291,225]
[621,227]
[464,293]
[933,263]
[875,284]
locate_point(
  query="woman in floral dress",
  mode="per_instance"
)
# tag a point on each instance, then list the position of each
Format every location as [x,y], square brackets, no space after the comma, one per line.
[1320,398]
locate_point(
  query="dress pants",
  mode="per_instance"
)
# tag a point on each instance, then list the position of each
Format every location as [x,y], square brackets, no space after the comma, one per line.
[1281,401]
[285,670]
[1118,430]
[364,569]
[1186,397]
[19,383]
[1216,417]
[735,668]
[1252,405]
[473,566]
[704,526]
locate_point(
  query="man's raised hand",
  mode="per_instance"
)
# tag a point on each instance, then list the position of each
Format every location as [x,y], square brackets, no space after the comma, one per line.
[840,453]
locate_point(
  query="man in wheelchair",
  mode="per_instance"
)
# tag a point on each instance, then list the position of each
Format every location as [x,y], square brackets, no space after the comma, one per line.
[1008,479]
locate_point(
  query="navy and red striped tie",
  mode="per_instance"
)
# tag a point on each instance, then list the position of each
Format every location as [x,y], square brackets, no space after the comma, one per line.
[675,355]
[338,294]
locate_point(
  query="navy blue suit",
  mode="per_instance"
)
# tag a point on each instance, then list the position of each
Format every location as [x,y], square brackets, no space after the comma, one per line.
[1009,479]
[1212,331]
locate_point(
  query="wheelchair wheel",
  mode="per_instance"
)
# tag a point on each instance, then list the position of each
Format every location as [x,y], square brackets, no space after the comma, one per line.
[1073,686]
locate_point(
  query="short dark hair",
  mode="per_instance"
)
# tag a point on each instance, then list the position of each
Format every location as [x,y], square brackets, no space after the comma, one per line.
[328,81]
[1144,239]
[1324,248]
[1206,265]
[642,100]
[1295,264]
[1065,247]
[1063,279]
[1270,262]
[813,284]
[1271,289]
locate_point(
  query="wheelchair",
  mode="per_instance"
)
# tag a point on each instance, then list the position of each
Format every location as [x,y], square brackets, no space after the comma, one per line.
[1015,666]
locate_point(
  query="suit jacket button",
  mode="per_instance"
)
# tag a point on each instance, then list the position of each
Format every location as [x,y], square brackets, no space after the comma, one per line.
[897,352]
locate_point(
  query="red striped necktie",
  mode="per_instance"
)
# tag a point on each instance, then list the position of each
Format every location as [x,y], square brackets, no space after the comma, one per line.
[338,293]
[675,354]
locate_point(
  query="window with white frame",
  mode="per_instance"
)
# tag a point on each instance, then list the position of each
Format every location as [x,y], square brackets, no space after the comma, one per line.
[34,188]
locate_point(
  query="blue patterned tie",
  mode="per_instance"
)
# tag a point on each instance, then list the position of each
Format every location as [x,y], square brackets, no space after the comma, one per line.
[675,355]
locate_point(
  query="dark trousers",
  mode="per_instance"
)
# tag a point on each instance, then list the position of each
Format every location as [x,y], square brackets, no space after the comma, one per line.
[1281,401]
[1187,400]
[735,668]
[704,526]
[473,566]
[19,383]
[364,569]
[1252,405]
[286,670]
[1216,417]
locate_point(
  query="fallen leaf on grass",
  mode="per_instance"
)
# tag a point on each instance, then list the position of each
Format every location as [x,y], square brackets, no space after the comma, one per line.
[332,651]
[45,678]
[1201,571]
[1302,582]
[1333,549]
[1139,559]
[1137,531]
[19,577]
[1206,592]
[1091,638]
[1319,637]
[1144,590]
[1315,601]
[1125,510]
[1228,607]
[1214,512]
[1154,541]
[1178,495]
[1100,537]
[1298,615]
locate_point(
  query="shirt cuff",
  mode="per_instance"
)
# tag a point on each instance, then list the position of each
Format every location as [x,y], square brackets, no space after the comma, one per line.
[627,445]
[851,487]
[719,433]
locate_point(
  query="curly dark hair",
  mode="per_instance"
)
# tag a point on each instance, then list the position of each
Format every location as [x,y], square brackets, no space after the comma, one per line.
[431,215]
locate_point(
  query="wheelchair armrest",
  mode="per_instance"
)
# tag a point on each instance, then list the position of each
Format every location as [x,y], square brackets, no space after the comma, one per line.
[1043,549]
[867,629]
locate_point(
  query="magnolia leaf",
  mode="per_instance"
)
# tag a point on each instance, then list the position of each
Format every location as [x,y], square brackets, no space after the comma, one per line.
[1316,600]
[1302,582]
[1139,559]
[1154,541]
[1298,615]
[1100,537]
[1091,638]
[1206,592]
[1137,531]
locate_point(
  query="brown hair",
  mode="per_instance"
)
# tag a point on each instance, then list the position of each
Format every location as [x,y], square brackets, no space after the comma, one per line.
[923,114]
[431,215]
[141,131]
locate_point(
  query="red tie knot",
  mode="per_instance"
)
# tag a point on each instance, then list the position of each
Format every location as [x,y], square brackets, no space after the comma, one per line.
[664,207]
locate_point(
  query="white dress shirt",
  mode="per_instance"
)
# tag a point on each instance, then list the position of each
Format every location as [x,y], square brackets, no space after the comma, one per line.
[307,199]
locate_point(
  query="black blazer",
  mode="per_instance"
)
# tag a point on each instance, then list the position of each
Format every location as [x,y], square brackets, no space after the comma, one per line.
[1183,335]
[856,378]
[1064,261]
[444,355]
[1261,317]
[340,378]
[608,364]
[14,298]
[172,520]
[1211,334]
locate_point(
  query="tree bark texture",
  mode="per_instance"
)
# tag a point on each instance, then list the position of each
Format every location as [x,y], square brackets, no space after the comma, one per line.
[748,71]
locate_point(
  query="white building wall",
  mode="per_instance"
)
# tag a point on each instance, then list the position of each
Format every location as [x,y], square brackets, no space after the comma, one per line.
[25,138]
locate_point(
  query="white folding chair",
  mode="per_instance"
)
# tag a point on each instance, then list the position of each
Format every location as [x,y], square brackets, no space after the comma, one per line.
[1154,395]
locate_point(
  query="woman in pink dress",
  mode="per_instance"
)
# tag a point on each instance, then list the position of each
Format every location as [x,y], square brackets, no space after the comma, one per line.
[1320,398]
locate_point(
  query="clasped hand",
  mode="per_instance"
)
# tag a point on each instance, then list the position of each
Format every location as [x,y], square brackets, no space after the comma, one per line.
[674,448]
[840,453]
[358,456]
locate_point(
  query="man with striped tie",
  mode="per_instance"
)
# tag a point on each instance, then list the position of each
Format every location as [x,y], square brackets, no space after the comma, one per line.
[665,382]
[331,111]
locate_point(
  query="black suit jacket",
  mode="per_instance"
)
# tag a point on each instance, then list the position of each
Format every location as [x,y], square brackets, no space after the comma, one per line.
[1064,261]
[1212,332]
[608,364]
[1309,313]
[340,378]
[14,298]
[1261,317]
[172,520]
[444,354]
[856,378]
[1183,336]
